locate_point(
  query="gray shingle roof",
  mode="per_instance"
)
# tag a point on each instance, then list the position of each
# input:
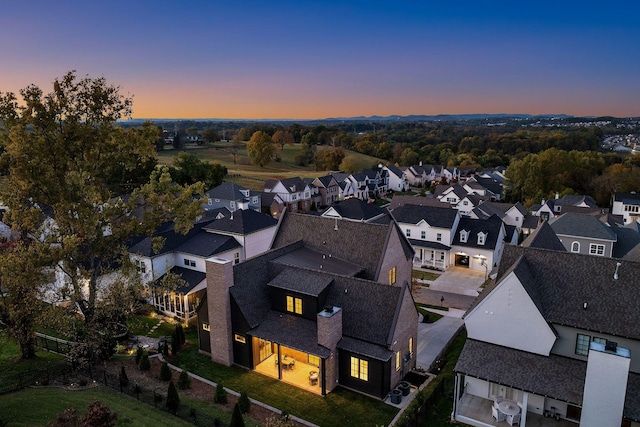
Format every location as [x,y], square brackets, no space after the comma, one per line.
[401,200]
[365,348]
[143,245]
[543,237]
[575,200]
[191,277]
[357,209]
[627,240]
[206,244]
[554,376]
[573,224]
[301,281]
[428,244]
[242,222]
[309,258]
[228,191]
[632,198]
[345,242]
[490,227]
[565,280]
[434,216]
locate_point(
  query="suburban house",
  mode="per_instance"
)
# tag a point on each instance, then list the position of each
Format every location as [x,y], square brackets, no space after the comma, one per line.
[468,203]
[233,197]
[377,181]
[556,335]
[318,310]
[420,175]
[357,210]
[584,234]
[271,204]
[397,179]
[359,185]
[294,193]
[328,188]
[570,203]
[627,205]
[430,231]
[487,186]
[509,213]
[478,243]
[234,236]
[451,194]
[345,189]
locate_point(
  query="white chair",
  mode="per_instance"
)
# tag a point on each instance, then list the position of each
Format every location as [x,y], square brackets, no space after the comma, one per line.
[499,416]
[513,419]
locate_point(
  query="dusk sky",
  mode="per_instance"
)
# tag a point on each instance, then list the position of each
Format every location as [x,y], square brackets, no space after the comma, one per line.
[312,59]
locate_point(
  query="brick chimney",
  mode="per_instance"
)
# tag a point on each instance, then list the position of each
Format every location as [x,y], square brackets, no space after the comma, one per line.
[219,280]
[329,323]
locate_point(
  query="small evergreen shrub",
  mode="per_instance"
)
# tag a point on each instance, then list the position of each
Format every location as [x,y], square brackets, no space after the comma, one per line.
[139,353]
[165,372]
[145,364]
[123,378]
[243,402]
[173,400]
[236,417]
[184,380]
[220,395]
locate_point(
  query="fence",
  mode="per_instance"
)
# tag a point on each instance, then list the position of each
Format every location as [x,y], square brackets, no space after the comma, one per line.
[152,397]
[53,344]
[42,376]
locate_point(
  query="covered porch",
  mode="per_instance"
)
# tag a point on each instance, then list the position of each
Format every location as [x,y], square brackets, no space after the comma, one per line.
[432,255]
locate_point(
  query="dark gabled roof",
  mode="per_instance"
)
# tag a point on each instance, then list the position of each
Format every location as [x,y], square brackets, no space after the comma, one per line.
[543,237]
[339,176]
[401,200]
[554,376]
[396,170]
[300,281]
[588,226]
[309,258]
[357,209]
[341,238]
[509,231]
[434,216]
[292,185]
[627,198]
[206,244]
[143,245]
[575,200]
[457,189]
[627,240]
[192,279]
[227,191]
[500,207]
[531,222]
[291,331]
[565,281]
[428,244]
[490,226]
[326,180]
[242,222]
[633,254]
[362,347]
[490,184]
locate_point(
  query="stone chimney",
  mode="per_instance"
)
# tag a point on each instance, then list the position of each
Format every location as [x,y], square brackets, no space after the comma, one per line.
[329,333]
[605,385]
[219,280]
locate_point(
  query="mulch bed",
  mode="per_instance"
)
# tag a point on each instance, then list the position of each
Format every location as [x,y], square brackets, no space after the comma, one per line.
[198,390]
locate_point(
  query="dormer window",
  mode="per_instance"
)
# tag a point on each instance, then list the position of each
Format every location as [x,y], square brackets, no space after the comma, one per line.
[464,234]
[481,238]
[294,305]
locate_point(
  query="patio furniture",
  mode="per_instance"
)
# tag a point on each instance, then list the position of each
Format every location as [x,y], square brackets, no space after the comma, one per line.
[499,416]
[288,362]
[508,408]
[313,377]
[513,419]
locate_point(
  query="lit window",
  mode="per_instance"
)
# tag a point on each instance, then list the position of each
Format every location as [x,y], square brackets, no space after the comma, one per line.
[397,360]
[314,360]
[240,338]
[294,305]
[298,307]
[289,303]
[575,247]
[206,326]
[582,344]
[595,249]
[359,368]
[411,346]
[392,276]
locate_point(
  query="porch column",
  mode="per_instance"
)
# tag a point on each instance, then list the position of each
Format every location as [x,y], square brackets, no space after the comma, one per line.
[456,397]
[523,416]
[185,307]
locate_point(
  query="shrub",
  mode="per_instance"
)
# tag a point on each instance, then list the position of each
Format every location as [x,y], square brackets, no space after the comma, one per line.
[175,343]
[184,380]
[173,400]
[145,364]
[220,395]
[124,379]
[139,353]
[243,402]
[236,417]
[165,372]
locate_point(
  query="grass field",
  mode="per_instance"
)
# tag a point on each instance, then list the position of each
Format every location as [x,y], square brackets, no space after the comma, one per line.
[253,177]
[9,352]
[37,407]
[341,407]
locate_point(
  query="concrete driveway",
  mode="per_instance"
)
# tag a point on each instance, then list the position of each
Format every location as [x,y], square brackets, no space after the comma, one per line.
[459,280]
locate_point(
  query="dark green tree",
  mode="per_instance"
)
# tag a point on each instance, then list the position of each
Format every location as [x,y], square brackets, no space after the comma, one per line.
[236,417]
[145,364]
[123,378]
[220,396]
[139,353]
[184,380]
[165,371]
[244,403]
[173,399]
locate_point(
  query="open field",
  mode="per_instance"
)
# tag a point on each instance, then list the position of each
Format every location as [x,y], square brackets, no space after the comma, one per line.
[253,177]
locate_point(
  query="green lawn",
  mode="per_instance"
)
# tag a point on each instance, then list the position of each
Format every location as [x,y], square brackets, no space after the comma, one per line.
[37,407]
[340,407]
[9,352]
[429,316]
[253,177]
[425,275]
[141,324]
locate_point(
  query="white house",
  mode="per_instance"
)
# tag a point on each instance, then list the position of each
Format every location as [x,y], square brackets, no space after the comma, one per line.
[627,205]
[294,192]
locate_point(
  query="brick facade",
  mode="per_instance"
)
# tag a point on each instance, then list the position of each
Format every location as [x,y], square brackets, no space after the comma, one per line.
[219,280]
[329,333]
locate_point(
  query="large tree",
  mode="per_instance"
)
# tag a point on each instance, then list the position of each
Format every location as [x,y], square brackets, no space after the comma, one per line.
[72,183]
[189,169]
[260,148]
